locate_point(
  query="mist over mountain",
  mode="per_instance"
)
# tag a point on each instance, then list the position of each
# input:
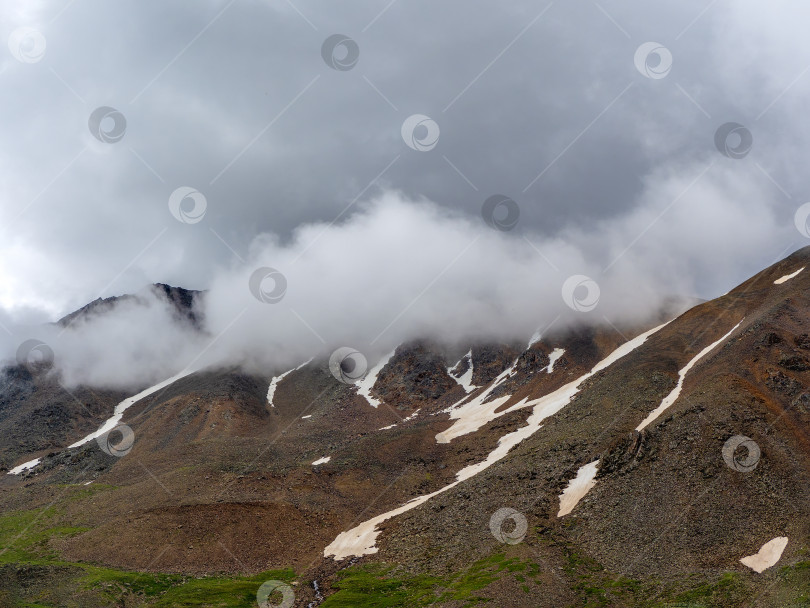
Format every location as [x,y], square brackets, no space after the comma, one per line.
[404,304]
[393,271]
[566,121]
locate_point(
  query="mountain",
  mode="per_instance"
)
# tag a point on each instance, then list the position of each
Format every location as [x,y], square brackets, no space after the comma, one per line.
[659,465]
[182,300]
[38,413]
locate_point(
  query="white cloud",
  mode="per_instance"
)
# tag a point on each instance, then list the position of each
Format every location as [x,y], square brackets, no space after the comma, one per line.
[98,222]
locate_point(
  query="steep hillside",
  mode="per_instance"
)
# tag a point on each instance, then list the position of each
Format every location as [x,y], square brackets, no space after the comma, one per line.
[597,466]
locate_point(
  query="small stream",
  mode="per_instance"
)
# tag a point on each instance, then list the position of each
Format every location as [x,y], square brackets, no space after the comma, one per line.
[318,595]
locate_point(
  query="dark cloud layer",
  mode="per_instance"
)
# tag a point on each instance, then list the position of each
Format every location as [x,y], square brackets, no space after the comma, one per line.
[616,174]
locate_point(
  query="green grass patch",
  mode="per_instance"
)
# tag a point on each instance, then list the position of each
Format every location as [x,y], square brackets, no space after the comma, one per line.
[220,592]
[118,582]
[171,590]
[24,543]
[375,586]
[724,592]
[82,492]
[35,576]
[24,536]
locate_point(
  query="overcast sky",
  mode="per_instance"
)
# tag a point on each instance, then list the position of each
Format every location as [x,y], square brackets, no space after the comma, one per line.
[605,141]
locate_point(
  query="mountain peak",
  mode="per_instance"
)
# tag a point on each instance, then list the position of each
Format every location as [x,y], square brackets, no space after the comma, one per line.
[184,301]
[593,455]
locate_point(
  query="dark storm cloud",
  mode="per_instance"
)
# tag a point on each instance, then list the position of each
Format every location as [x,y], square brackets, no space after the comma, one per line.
[539,102]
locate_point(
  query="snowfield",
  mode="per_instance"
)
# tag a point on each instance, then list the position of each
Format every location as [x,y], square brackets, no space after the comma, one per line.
[118,413]
[112,421]
[553,358]
[578,487]
[465,380]
[365,385]
[473,415]
[271,390]
[362,539]
[767,556]
[582,484]
[24,466]
[673,396]
[787,277]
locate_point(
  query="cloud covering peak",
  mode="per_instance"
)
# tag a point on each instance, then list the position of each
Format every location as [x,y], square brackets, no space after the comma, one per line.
[653,149]
[392,271]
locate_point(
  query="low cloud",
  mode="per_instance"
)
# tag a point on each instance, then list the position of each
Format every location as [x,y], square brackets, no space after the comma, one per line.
[396,269]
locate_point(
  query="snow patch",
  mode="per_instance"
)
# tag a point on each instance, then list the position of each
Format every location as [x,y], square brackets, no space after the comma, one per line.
[673,396]
[271,390]
[362,539]
[365,385]
[473,415]
[787,277]
[412,416]
[112,421]
[465,380]
[553,358]
[119,410]
[323,460]
[24,466]
[578,487]
[767,556]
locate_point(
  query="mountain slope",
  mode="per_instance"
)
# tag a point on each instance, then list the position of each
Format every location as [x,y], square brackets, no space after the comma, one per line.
[663,510]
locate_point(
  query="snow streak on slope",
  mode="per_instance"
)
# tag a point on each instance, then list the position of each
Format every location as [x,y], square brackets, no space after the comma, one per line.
[787,277]
[767,556]
[362,539]
[553,358]
[112,421]
[411,417]
[365,385]
[673,396]
[323,460]
[465,380]
[271,390]
[118,413]
[473,415]
[24,466]
[578,487]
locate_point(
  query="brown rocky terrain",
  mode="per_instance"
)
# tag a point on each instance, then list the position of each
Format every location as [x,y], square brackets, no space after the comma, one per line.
[220,481]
